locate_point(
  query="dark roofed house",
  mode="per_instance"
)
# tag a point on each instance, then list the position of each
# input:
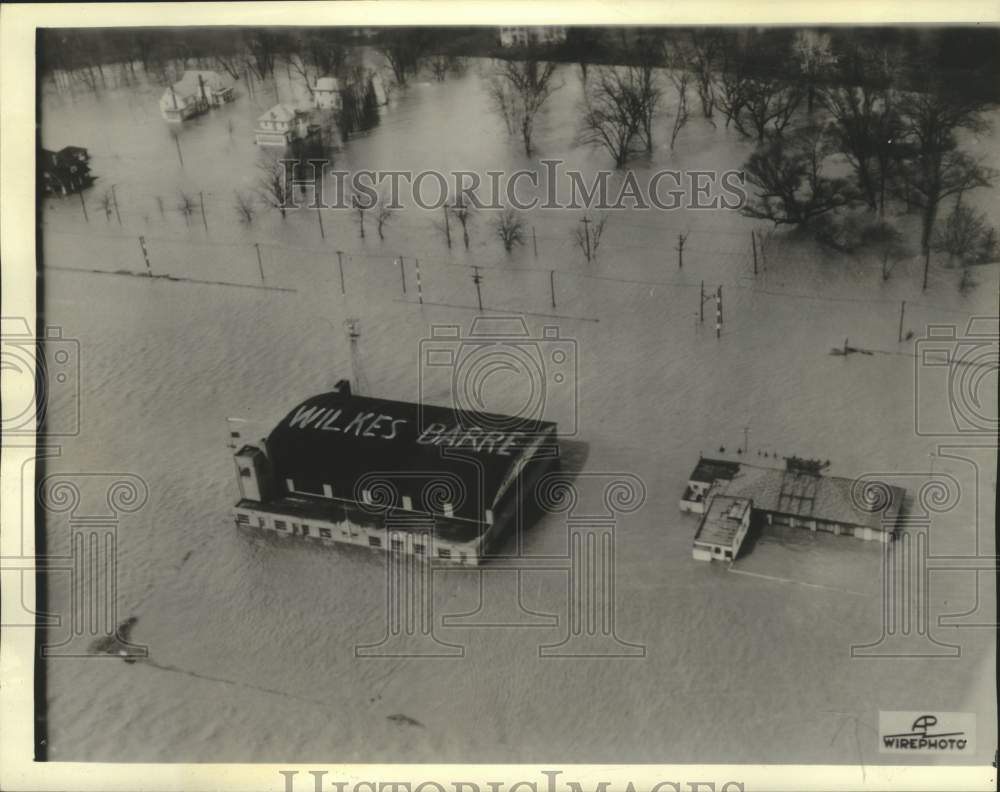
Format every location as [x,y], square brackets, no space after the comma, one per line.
[65,171]
[346,468]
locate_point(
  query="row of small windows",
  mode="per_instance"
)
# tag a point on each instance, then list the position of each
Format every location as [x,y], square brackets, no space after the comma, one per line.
[447,509]
[304,529]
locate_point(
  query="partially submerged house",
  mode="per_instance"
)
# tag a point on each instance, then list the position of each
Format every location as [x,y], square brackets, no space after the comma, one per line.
[326,94]
[798,496]
[194,93]
[64,171]
[280,125]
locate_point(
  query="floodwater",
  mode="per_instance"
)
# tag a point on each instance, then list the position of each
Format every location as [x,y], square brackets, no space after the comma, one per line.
[252,641]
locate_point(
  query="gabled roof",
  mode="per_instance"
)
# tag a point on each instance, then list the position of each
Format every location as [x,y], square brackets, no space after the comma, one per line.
[189,83]
[280,112]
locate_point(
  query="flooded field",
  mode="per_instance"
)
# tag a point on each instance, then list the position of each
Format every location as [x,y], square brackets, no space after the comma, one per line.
[252,641]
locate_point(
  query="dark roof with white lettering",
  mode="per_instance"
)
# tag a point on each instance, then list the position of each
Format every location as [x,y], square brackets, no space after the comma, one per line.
[353,443]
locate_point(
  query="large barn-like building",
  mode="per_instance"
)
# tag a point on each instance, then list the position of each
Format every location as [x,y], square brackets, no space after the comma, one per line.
[397,476]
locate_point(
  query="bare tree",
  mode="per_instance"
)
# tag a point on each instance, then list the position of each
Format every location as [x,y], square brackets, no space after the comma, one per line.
[768,106]
[230,64]
[510,229]
[706,49]
[295,63]
[813,55]
[887,243]
[859,97]
[185,205]
[966,236]
[274,184]
[383,213]
[613,115]
[243,204]
[680,79]
[519,90]
[587,236]
[931,166]
[106,202]
[790,185]
[360,206]
[646,86]
[403,49]
[262,51]
[464,213]
[439,67]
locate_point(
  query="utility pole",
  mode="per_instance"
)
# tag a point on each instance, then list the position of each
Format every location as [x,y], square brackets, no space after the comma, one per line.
[704,299]
[447,226]
[177,142]
[340,263]
[201,201]
[718,313]
[586,237]
[477,279]
[319,217]
[753,241]
[114,197]
[145,255]
[534,241]
[420,288]
[353,336]
[402,273]
[902,311]
[746,439]
[83,205]
[260,262]
[681,239]
[552,286]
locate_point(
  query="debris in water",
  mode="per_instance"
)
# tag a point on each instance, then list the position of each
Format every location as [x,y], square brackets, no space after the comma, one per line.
[405,720]
[118,644]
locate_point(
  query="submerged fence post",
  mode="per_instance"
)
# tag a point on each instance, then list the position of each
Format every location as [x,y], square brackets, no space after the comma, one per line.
[718,313]
[114,197]
[552,286]
[420,289]
[201,201]
[340,264]
[260,263]
[145,255]
[402,272]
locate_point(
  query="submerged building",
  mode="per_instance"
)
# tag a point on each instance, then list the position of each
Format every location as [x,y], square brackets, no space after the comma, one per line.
[394,476]
[193,94]
[797,495]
